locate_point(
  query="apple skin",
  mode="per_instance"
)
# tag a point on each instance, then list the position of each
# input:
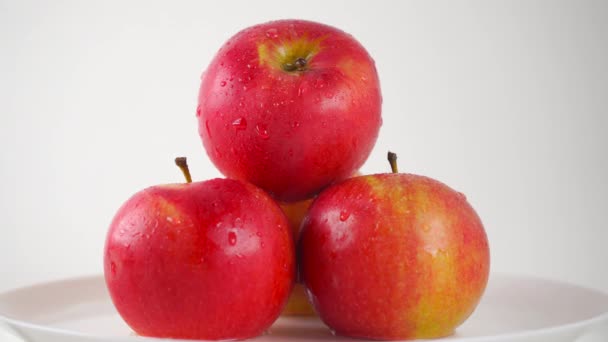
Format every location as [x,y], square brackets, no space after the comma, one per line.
[291,133]
[298,304]
[206,260]
[393,256]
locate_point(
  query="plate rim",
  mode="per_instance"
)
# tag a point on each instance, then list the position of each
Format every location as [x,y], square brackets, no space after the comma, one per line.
[554,329]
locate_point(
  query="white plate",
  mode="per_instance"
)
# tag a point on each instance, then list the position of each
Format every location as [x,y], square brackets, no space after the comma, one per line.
[514,308]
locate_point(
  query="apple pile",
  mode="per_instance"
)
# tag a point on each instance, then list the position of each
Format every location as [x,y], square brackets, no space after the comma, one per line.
[288,111]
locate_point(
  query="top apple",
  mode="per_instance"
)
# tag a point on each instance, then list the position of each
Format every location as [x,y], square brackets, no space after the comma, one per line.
[290,106]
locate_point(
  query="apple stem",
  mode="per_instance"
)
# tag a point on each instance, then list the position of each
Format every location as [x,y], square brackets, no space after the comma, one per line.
[182,163]
[392,159]
[299,64]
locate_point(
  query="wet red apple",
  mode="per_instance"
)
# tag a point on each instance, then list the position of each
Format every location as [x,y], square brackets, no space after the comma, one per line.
[204,260]
[290,106]
[393,256]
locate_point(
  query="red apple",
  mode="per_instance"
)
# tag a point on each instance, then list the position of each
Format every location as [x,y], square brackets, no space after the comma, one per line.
[290,106]
[393,256]
[205,260]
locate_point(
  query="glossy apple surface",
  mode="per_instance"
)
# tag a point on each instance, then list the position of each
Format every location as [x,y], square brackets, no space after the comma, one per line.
[206,260]
[290,106]
[393,256]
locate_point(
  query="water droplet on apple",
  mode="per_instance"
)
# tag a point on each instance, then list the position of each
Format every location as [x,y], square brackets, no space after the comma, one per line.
[238,222]
[290,152]
[244,88]
[239,124]
[300,90]
[198,111]
[262,131]
[344,215]
[363,78]
[113,268]
[232,238]
[462,196]
[207,128]
[121,232]
[272,33]
[258,233]
[329,95]
[223,84]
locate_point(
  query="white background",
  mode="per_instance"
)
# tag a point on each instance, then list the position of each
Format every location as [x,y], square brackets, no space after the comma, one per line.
[504,101]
